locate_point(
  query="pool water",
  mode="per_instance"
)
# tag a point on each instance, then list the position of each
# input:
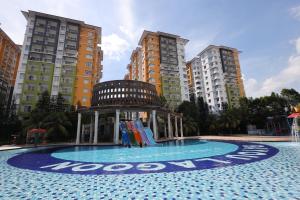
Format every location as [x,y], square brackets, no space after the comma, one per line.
[165,151]
[271,172]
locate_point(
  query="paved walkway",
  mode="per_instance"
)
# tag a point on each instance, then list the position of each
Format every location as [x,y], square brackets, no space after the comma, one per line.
[251,138]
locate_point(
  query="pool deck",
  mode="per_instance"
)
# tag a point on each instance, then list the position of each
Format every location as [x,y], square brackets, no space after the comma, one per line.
[248,138]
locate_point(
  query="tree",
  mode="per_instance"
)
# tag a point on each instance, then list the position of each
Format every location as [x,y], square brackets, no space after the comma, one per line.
[57,124]
[9,122]
[291,95]
[190,116]
[202,115]
[189,126]
[59,103]
[163,100]
[229,120]
[43,104]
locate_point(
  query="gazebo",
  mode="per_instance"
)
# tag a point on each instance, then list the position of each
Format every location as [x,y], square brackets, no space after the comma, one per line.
[130,97]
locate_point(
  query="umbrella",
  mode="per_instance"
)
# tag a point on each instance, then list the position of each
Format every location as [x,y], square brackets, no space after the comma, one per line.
[294,115]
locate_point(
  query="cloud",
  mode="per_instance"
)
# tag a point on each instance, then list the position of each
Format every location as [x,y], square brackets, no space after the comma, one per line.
[128,25]
[114,46]
[289,77]
[195,45]
[295,12]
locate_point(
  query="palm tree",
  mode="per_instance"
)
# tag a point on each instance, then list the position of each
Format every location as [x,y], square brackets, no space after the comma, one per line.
[56,124]
[229,120]
[190,127]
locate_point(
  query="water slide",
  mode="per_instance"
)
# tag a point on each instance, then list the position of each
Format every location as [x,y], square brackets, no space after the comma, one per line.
[139,126]
[125,134]
[148,135]
[130,133]
[136,134]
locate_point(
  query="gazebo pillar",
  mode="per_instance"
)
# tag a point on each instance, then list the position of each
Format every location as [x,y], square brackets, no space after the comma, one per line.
[82,133]
[169,126]
[96,127]
[117,128]
[91,130]
[165,130]
[154,124]
[181,128]
[78,128]
[176,128]
[149,119]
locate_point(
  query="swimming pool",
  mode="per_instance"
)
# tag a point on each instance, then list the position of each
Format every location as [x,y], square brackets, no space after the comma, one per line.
[190,169]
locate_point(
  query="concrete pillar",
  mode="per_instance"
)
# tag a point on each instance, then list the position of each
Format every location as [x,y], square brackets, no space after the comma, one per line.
[169,126]
[96,127]
[181,128]
[82,133]
[78,128]
[165,130]
[154,124]
[176,128]
[117,128]
[137,115]
[149,120]
[91,130]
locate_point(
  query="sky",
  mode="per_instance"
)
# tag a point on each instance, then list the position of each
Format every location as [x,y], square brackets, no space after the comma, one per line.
[266,32]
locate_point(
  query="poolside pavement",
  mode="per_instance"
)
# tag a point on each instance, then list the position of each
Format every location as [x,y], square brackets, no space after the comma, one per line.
[248,138]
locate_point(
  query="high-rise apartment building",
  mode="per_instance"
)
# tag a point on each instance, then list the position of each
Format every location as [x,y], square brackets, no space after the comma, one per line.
[60,55]
[190,79]
[215,75]
[160,60]
[9,60]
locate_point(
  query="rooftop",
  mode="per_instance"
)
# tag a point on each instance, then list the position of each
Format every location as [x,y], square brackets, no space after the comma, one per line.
[145,33]
[29,12]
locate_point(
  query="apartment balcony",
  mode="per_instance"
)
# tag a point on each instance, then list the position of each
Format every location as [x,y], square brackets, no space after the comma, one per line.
[73,55]
[70,62]
[38,42]
[71,47]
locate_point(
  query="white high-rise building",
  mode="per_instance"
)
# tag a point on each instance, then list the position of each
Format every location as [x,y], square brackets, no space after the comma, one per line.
[215,75]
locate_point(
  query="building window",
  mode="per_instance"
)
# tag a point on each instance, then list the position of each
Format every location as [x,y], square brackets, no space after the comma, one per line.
[86,81]
[21,75]
[27,108]
[90,34]
[55,88]
[89,56]
[88,72]
[89,49]
[31,77]
[85,90]
[88,64]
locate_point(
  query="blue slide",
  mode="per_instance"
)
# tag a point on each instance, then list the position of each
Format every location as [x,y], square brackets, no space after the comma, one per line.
[146,132]
[125,136]
[139,126]
[149,135]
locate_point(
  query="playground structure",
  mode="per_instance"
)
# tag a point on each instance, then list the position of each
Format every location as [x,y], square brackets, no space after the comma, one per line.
[134,100]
